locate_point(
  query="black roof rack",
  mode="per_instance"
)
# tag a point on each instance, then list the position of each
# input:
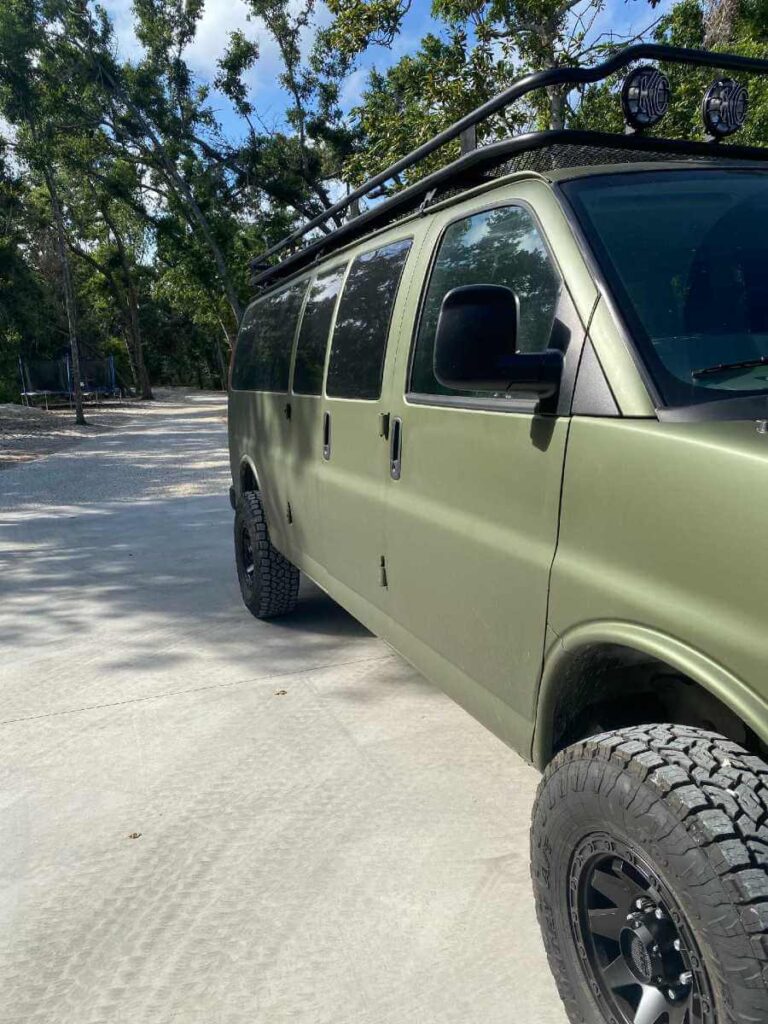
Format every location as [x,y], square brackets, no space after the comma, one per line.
[472,167]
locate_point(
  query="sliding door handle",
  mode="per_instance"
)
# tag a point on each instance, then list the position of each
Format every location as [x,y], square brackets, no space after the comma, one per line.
[395,448]
[326,435]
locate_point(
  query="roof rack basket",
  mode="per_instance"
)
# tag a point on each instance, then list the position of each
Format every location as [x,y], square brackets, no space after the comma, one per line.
[644,101]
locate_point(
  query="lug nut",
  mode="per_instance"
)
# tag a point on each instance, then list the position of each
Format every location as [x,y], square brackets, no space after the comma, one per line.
[677,944]
[685,978]
[671,993]
[659,913]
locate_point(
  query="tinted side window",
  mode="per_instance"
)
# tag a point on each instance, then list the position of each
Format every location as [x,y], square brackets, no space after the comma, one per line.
[313,334]
[504,247]
[362,322]
[263,353]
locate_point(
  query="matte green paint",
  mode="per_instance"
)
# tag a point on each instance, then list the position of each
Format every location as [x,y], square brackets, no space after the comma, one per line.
[512,541]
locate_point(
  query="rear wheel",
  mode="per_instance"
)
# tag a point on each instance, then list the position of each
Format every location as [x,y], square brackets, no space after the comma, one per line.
[269,583]
[649,850]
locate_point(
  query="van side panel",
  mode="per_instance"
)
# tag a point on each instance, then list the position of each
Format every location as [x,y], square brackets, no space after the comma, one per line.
[260,432]
[655,535]
[300,470]
[472,521]
[475,518]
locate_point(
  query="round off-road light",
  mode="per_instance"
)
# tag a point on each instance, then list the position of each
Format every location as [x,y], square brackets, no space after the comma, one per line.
[644,97]
[724,108]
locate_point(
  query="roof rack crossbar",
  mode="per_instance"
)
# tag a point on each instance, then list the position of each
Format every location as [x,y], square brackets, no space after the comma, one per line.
[538,80]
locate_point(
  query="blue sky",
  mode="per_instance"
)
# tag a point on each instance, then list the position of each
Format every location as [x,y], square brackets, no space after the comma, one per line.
[223,16]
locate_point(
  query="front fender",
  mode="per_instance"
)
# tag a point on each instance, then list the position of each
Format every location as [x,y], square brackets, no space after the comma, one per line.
[722,684]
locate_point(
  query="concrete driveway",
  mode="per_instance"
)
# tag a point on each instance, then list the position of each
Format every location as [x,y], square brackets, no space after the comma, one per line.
[321,836]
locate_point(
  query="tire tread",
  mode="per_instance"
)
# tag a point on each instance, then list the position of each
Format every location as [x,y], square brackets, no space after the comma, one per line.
[278,579]
[718,795]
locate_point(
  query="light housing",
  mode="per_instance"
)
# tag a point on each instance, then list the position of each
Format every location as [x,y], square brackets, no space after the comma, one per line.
[644,97]
[724,107]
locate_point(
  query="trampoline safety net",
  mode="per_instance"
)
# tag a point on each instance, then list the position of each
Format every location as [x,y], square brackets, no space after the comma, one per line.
[45,377]
[54,377]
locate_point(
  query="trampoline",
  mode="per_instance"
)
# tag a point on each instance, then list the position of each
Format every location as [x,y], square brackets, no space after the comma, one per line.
[46,379]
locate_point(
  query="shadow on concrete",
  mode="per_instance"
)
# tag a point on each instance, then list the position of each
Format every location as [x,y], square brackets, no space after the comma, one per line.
[117,577]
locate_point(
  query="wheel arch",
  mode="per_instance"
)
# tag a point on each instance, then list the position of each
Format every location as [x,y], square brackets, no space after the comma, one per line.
[615,651]
[248,477]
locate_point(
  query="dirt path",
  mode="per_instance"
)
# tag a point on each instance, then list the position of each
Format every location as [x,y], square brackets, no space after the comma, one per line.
[30,432]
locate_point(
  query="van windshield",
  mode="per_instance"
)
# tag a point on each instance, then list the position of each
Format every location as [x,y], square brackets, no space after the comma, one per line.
[685,253]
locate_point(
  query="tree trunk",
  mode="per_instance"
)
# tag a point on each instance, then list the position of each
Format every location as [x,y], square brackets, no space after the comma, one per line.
[145,387]
[69,293]
[132,303]
[719,22]
[223,368]
[228,336]
[556,107]
[131,337]
[131,360]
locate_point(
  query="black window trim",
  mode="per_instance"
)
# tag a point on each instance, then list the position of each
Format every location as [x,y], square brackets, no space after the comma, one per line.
[263,298]
[316,272]
[475,403]
[329,351]
[604,291]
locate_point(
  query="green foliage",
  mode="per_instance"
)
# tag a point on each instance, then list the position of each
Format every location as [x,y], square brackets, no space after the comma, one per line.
[687,25]
[477,49]
[161,211]
[27,307]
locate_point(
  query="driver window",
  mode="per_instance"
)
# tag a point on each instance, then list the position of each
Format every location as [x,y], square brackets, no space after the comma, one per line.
[504,247]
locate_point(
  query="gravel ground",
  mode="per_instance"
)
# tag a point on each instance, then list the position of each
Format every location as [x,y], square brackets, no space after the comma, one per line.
[211,820]
[29,432]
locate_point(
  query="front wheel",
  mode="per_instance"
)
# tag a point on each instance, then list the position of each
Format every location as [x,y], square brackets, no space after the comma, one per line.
[649,857]
[269,583]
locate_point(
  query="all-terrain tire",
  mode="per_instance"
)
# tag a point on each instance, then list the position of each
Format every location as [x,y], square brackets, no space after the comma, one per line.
[695,807]
[269,583]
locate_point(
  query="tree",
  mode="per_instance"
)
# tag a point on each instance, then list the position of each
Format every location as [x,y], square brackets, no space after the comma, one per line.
[482,48]
[293,165]
[40,75]
[740,28]
[106,237]
[27,302]
[128,217]
[156,110]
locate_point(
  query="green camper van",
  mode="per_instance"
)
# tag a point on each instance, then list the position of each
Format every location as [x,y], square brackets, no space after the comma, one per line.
[514,418]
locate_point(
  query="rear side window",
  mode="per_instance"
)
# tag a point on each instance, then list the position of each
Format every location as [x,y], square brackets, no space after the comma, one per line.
[362,322]
[504,247]
[313,334]
[263,353]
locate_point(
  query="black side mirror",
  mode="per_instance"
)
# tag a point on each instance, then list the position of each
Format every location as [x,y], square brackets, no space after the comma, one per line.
[475,345]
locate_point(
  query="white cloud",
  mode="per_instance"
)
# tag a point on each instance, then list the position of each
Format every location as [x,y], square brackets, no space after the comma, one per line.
[121,12]
[219,19]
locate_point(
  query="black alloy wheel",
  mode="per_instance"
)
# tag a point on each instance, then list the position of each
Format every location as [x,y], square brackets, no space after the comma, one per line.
[246,556]
[638,952]
[649,860]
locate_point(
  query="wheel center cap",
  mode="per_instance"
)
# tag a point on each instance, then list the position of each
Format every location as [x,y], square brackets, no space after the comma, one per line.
[639,958]
[643,945]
